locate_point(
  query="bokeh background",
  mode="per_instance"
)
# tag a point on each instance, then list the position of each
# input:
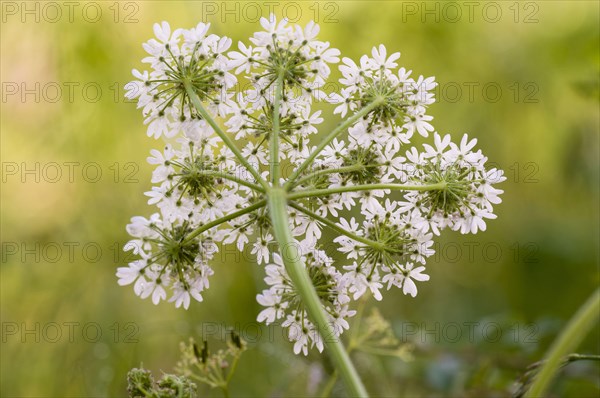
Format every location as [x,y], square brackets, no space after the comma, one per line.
[522,77]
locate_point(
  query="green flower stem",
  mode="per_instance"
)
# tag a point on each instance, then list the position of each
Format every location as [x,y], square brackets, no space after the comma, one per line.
[274,147]
[330,384]
[232,369]
[337,131]
[319,173]
[230,144]
[221,220]
[233,178]
[225,391]
[570,337]
[582,357]
[336,227]
[299,276]
[370,187]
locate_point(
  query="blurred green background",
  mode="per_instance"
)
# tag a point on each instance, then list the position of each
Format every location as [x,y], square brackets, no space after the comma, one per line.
[522,77]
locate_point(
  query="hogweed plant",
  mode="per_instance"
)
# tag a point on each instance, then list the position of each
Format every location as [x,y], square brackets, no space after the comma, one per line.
[243,165]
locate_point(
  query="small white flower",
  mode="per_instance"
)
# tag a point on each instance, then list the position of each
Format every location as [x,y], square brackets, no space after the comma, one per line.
[409,273]
[380,59]
[275,309]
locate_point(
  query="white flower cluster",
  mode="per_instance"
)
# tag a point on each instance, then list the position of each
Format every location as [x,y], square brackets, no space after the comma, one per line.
[284,303]
[174,56]
[406,100]
[303,63]
[469,195]
[213,186]
[165,262]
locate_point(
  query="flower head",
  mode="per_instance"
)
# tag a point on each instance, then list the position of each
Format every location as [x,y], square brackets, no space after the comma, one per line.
[283,302]
[168,261]
[280,50]
[467,196]
[184,56]
[400,101]
[265,170]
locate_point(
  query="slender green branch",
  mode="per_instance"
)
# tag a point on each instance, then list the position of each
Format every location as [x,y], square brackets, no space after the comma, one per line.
[225,391]
[319,173]
[224,219]
[232,369]
[370,187]
[274,147]
[233,178]
[525,380]
[299,276]
[226,140]
[570,337]
[326,392]
[336,227]
[582,357]
[337,131]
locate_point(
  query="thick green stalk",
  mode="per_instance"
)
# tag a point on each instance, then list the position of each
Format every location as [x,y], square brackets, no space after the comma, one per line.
[226,140]
[369,187]
[226,218]
[337,131]
[274,147]
[570,337]
[299,276]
